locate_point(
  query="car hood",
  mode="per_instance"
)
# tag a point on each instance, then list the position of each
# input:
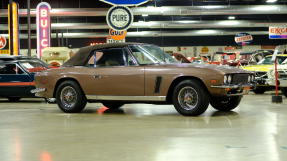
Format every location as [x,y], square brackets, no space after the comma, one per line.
[263,68]
[219,68]
[280,67]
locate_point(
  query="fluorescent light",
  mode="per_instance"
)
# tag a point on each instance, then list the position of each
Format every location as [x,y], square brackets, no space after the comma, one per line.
[229,22]
[231,17]
[144,15]
[206,32]
[265,8]
[271,1]
[211,7]
[186,22]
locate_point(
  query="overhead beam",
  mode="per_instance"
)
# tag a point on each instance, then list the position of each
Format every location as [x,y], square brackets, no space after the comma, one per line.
[168,10]
[162,24]
[153,34]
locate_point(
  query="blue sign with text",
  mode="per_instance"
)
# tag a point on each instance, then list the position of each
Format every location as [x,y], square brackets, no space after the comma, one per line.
[125,2]
[243,38]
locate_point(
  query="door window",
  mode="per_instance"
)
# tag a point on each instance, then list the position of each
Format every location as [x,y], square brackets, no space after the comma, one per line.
[110,58]
[10,69]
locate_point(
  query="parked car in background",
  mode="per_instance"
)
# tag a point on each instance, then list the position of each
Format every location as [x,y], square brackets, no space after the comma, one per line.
[121,73]
[258,55]
[224,58]
[17,76]
[56,56]
[244,58]
[282,77]
[261,69]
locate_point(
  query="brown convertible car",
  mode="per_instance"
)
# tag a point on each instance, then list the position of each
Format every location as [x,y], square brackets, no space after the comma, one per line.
[117,74]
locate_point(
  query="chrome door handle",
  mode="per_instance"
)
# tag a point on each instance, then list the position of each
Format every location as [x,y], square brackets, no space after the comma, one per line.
[97,76]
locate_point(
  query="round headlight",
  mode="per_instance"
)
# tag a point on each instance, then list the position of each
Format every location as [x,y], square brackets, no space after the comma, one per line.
[225,79]
[229,79]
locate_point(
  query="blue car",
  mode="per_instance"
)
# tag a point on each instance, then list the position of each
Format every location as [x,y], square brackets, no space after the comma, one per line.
[17,76]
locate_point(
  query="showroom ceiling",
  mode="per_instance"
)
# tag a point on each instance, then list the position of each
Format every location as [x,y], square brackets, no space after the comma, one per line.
[159,18]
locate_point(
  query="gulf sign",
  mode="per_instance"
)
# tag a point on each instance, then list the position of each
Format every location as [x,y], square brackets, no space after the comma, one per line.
[43,27]
[117,35]
[243,38]
[3,42]
[277,32]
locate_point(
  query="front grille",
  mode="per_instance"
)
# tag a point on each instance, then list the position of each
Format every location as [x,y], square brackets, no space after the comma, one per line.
[282,74]
[261,75]
[240,79]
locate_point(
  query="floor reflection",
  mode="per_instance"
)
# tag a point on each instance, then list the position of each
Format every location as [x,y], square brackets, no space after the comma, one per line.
[17,147]
[224,113]
[46,156]
[254,131]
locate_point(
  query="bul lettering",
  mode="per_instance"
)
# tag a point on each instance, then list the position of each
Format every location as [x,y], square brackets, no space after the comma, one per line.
[44,43]
[43,13]
[44,22]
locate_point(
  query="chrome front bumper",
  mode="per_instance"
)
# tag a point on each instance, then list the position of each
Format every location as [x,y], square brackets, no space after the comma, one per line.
[234,86]
[235,90]
[282,82]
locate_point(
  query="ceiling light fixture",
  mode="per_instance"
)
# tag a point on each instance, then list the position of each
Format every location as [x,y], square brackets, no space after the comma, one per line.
[231,17]
[271,1]
[229,22]
[211,7]
[144,15]
[206,32]
[264,8]
[186,21]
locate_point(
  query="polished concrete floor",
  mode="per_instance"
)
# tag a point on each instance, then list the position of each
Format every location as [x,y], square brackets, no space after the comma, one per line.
[36,131]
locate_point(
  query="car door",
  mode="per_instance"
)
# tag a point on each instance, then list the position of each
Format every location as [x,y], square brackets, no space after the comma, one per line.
[114,72]
[14,81]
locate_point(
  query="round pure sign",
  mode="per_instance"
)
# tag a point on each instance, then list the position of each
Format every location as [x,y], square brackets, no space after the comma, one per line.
[119,18]
[243,38]
[2,42]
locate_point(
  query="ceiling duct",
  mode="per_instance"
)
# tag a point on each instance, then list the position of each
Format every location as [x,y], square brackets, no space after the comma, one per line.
[163,24]
[169,10]
[151,34]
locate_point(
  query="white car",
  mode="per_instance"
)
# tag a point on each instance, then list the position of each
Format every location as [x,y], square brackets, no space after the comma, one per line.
[282,77]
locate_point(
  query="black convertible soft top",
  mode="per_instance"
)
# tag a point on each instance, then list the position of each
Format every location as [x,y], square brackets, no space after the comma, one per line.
[82,56]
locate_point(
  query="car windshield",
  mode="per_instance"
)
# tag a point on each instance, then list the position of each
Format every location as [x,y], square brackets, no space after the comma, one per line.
[151,54]
[285,61]
[268,60]
[33,66]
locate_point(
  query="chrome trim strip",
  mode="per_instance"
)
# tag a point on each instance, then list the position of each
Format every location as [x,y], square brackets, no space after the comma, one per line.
[126,98]
[233,86]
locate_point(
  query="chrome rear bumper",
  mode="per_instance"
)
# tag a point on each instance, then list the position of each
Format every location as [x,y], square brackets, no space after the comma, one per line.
[37,90]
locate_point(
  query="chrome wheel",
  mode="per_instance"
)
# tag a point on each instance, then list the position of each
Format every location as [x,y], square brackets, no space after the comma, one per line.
[68,97]
[188,98]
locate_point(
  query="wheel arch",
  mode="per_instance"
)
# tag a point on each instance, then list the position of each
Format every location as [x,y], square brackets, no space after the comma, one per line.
[177,80]
[62,80]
